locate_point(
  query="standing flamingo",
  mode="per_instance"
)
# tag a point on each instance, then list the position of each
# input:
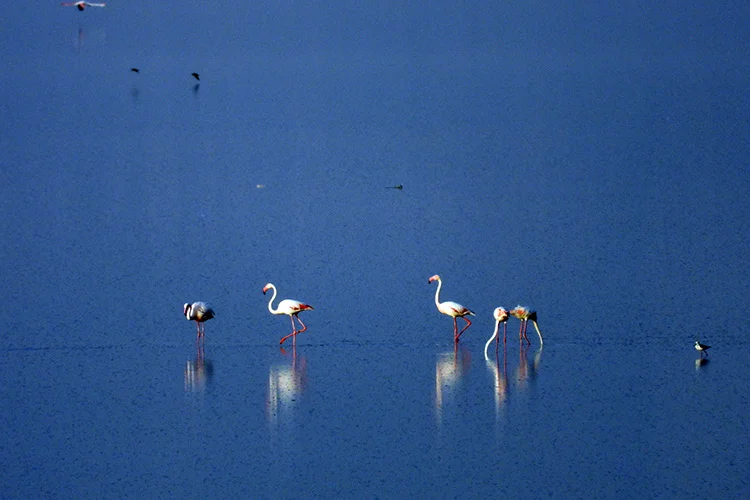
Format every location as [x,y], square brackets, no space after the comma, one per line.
[451,309]
[525,314]
[199,312]
[291,308]
[82,5]
[501,316]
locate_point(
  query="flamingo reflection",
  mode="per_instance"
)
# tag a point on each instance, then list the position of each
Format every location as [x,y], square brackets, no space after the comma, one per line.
[449,370]
[286,382]
[501,377]
[199,371]
[527,370]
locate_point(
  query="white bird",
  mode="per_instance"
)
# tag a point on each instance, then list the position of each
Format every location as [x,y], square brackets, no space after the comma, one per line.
[524,314]
[82,5]
[199,312]
[291,308]
[451,309]
[501,316]
[702,348]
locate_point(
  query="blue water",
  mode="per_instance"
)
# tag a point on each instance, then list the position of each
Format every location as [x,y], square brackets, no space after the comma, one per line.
[590,164]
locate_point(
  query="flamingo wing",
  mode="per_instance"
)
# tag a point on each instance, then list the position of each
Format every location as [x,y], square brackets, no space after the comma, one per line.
[290,306]
[454,310]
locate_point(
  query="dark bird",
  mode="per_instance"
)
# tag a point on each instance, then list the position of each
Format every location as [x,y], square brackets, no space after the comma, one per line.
[398,186]
[199,312]
[702,348]
[196,76]
[135,70]
[82,5]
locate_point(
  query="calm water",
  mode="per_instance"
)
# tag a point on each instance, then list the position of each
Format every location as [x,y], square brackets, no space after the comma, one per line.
[592,165]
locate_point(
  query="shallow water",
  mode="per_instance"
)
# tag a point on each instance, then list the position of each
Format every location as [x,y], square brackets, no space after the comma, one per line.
[601,187]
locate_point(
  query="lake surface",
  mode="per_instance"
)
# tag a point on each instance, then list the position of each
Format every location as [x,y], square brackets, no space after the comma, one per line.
[590,164]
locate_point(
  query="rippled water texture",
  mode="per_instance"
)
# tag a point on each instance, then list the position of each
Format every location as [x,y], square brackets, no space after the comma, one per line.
[586,162]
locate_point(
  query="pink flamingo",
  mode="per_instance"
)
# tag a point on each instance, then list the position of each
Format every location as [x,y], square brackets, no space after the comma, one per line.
[199,312]
[291,308]
[451,309]
[82,5]
[525,314]
[501,316]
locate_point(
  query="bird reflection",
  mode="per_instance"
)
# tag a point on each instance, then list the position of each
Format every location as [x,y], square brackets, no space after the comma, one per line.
[449,369]
[199,371]
[286,382]
[701,362]
[501,377]
[527,370]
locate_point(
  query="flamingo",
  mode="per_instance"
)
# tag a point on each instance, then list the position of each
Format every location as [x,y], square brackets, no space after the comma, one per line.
[451,309]
[702,348]
[82,5]
[291,308]
[199,312]
[525,314]
[501,316]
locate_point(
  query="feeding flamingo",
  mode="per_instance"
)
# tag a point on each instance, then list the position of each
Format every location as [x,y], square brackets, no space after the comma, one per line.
[501,316]
[451,309]
[291,308]
[525,314]
[82,5]
[199,312]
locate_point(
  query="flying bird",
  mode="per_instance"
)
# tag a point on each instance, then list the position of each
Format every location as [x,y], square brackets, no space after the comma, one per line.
[196,76]
[524,314]
[451,309]
[199,312]
[702,348]
[501,316]
[291,308]
[82,5]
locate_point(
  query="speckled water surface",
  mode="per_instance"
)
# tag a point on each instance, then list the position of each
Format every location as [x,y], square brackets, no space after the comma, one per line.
[587,161]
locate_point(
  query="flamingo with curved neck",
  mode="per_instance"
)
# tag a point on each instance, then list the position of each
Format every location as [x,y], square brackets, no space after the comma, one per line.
[501,316]
[451,309]
[525,314]
[291,308]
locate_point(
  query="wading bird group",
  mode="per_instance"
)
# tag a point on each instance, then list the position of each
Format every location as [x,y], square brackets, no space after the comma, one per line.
[200,312]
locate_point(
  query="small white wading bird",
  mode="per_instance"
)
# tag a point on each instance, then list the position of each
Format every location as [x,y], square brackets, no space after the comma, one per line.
[82,5]
[524,314]
[451,309]
[291,308]
[702,348]
[501,316]
[199,312]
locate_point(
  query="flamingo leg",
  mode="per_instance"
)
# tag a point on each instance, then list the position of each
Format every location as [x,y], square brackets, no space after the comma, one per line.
[294,339]
[468,324]
[520,331]
[525,326]
[294,330]
[505,332]
[455,330]
[301,323]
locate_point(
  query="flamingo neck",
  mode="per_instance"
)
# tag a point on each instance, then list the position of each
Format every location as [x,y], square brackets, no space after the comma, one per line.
[273,297]
[437,292]
[487,345]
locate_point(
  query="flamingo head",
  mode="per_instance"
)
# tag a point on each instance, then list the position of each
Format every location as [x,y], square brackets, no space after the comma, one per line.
[433,278]
[185,309]
[267,287]
[500,314]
